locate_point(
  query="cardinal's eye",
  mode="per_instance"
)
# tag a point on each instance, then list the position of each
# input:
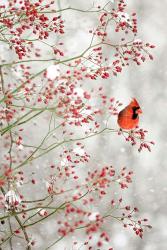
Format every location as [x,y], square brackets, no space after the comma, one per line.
[135,115]
[135,109]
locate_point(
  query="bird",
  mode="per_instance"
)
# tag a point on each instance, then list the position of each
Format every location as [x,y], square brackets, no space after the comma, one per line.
[128,118]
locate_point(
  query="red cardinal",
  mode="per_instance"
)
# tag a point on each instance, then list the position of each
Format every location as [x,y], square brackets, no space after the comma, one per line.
[128,118]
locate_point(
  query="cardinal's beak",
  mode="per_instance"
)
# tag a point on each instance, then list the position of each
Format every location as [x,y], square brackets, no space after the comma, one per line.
[139,111]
